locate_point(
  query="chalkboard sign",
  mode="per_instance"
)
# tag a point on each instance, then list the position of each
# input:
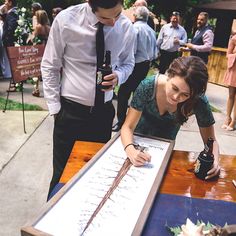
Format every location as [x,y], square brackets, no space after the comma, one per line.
[25,61]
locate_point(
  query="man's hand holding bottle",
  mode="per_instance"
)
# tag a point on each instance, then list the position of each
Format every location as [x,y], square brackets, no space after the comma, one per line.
[107,79]
[187,47]
[109,82]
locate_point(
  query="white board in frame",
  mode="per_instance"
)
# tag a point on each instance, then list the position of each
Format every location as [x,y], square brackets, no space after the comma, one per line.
[92,203]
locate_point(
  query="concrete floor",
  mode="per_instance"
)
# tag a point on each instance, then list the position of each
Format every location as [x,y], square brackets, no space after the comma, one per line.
[26,159]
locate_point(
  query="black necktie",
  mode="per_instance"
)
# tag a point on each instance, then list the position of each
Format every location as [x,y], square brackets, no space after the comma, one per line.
[99,97]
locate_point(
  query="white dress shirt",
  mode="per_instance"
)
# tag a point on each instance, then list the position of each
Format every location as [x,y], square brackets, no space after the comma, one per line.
[71,48]
[167,35]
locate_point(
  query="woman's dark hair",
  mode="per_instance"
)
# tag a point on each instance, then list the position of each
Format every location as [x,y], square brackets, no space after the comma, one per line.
[36,6]
[56,10]
[107,4]
[42,17]
[14,3]
[194,71]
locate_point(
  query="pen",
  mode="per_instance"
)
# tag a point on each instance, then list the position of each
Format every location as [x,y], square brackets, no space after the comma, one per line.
[234,183]
[140,148]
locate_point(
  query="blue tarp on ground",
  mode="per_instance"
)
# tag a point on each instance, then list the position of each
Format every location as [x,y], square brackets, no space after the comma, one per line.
[173,210]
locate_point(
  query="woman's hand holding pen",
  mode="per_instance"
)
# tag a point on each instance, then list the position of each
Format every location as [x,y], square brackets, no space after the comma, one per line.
[137,156]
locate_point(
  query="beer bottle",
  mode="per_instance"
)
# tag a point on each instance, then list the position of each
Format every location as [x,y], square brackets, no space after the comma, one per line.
[106,69]
[205,160]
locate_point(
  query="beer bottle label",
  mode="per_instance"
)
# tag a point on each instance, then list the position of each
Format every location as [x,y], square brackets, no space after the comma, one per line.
[99,77]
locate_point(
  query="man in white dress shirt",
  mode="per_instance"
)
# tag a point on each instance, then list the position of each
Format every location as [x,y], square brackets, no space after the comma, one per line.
[69,68]
[170,38]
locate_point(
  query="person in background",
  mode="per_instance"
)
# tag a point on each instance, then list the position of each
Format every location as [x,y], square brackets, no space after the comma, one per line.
[170,38]
[72,95]
[202,41]
[162,104]
[8,34]
[42,28]
[145,52]
[55,11]
[230,80]
[4,62]
[150,21]
[41,31]
[34,8]
[1,45]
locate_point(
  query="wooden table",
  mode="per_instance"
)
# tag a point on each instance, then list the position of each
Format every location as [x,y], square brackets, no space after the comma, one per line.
[179,178]
[180,196]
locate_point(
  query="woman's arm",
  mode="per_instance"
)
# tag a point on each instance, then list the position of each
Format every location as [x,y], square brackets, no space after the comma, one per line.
[137,157]
[205,134]
[38,30]
[231,46]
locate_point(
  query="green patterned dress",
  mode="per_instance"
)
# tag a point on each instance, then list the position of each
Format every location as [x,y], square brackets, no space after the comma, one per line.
[164,126]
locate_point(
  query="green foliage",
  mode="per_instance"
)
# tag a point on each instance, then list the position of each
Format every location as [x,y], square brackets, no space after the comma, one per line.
[214,109]
[175,231]
[25,3]
[22,3]
[161,8]
[12,105]
[128,3]
[152,71]
[24,27]
[19,87]
[186,8]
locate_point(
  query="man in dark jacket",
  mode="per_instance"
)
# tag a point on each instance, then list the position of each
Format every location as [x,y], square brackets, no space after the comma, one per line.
[10,23]
[202,41]
[8,34]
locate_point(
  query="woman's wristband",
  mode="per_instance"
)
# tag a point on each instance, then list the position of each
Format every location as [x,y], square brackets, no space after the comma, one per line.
[129,145]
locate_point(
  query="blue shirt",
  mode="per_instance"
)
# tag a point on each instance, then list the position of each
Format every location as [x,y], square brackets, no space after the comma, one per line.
[167,35]
[164,126]
[145,47]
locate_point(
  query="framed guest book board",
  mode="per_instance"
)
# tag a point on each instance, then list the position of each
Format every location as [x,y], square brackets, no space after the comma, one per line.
[108,196]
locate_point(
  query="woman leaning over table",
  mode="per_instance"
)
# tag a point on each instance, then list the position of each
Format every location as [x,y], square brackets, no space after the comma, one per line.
[162,104]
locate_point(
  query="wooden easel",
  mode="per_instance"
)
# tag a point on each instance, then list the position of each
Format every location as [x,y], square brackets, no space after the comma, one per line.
[25,63]
[22,101]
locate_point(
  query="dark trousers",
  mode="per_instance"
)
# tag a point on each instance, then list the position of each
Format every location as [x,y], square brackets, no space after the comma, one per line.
[139,73]
[78,122]
[165,60]
[202,55]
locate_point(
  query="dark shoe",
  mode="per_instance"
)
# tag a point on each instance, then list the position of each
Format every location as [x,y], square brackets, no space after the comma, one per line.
[116,127]
[12,87]
[36,93]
